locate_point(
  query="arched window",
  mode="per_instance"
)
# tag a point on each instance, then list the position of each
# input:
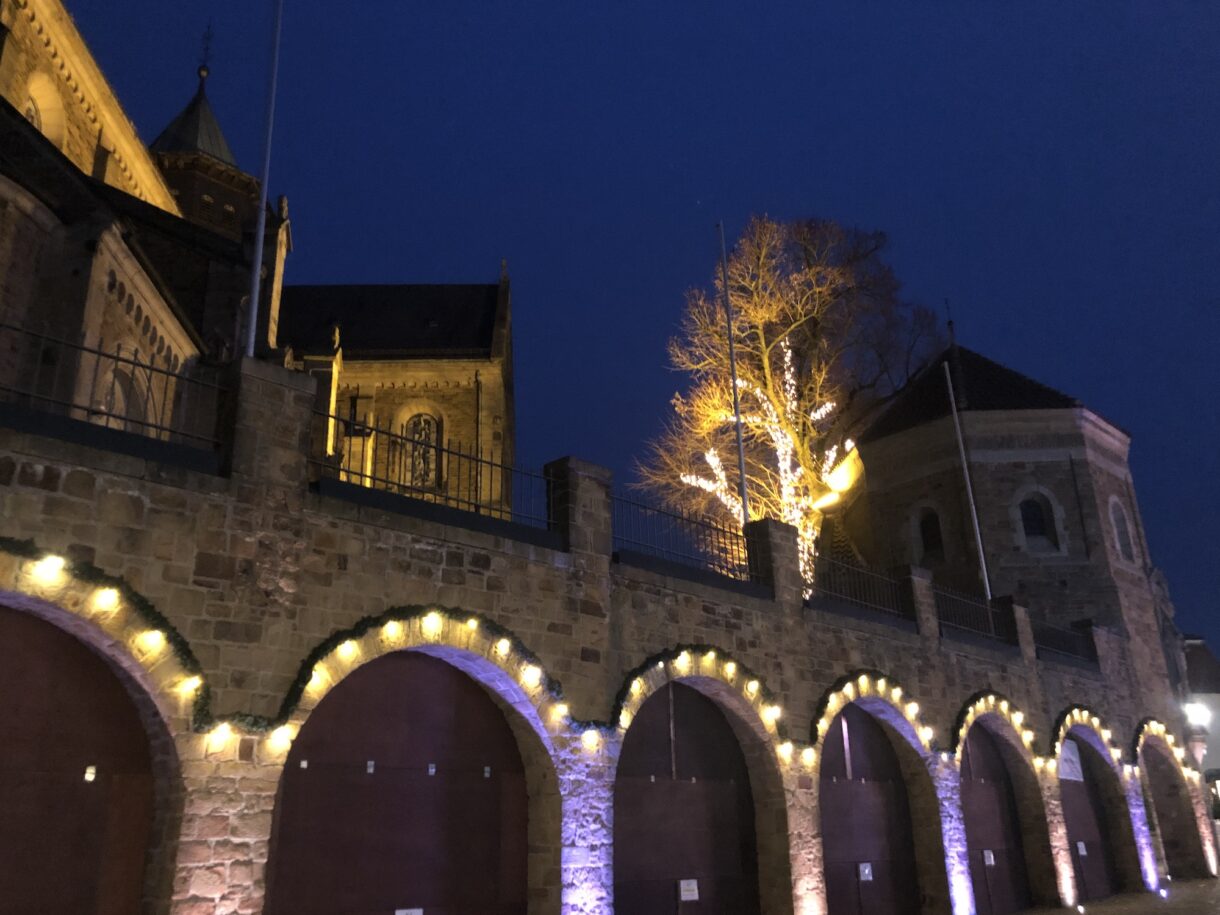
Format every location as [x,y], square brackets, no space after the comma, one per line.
[422,451]
[931,542]
[1038,524]
[1122,531]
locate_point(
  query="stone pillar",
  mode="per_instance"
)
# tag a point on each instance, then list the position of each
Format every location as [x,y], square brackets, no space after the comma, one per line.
[586,786]
[580,506]
[925,603]
[1056,828]
[272,408]
[1133,790]
[775,561]
[1025,631]
[947,781]
[805,844]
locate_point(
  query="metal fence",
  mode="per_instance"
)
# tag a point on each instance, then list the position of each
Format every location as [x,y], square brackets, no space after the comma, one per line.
[677,537]
[1073,642]
[113,386]
[861,586]
[974,614]
[381,457]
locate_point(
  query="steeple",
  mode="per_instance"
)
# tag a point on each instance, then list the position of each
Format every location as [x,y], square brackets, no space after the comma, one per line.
[195,129]
[200,168]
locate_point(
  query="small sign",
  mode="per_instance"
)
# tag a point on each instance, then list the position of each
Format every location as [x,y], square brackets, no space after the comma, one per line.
[487,771]
[988,858]
[304,763]
[432,768]
[408,912]
[1082,849]
[866,872]
[688,890]
[370,767]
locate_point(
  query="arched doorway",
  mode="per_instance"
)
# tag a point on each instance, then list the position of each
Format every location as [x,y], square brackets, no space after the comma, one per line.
[683,811]
[1171,812]
[76,777]
[1086,789]
[867,847]
[405,789]
[993,827]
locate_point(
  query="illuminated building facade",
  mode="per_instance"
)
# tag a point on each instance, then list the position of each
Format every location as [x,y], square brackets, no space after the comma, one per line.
[257,668]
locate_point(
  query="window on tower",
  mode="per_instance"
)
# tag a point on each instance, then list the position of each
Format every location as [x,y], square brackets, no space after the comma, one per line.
[1037,522]
[421,451]
[1122,531]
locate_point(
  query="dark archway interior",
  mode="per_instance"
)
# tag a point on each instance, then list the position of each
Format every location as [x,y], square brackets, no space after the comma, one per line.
[1173,814]
[1084,811]
[76,779]
[868,850]
[993,827]
[683,810]
[405,789]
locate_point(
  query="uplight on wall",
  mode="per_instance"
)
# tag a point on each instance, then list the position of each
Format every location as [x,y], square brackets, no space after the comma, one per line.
[106,600]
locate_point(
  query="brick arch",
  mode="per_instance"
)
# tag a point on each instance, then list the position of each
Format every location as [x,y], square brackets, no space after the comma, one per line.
[1125,818]
[509,674]
[929,778]
[754,716]
[1174,803]
[102,616]
[1004,721]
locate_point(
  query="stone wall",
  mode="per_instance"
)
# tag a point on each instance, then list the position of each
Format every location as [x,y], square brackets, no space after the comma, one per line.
[269,592]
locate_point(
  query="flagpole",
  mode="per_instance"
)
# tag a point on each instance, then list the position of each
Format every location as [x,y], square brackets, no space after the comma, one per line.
[728,316]
[961,450]
[261,222]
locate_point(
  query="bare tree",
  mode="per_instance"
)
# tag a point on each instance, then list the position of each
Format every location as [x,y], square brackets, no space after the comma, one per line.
[822,337]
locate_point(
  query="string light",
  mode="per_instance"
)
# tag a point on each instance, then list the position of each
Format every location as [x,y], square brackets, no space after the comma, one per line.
[531,675]
[219,736]
[106,600]
[47,570]
[503,647]
[472,623]
[189,685]
[280,739]
[347,650]
[392,630]
[591,739]
[151,640]
[559,711]
[431,624]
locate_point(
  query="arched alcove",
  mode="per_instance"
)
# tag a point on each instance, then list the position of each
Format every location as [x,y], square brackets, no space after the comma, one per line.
[415,784]
[683,809]
[873,789]
[1170,811]
[44,107]
[995,834]
[89,783]
[1095,814]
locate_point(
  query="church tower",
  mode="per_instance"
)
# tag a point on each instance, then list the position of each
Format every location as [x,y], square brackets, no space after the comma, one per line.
[200,169]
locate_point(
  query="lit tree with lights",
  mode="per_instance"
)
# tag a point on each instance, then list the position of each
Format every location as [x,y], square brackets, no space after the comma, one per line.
[821,337]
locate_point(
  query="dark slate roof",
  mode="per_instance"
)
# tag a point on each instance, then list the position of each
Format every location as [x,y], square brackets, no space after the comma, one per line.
[456,321]
[979,383]
[1202,668]
[195,130]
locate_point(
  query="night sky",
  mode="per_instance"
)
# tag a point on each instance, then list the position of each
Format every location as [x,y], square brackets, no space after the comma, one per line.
[1050,168]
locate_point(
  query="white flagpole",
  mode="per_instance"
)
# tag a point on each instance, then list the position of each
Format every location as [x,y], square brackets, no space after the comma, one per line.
[261,223]
[961,450]
[728,316]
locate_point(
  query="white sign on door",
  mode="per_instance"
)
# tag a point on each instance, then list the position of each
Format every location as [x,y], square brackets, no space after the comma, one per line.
[988,858]
[866,872]
[1082,849]
[688,890]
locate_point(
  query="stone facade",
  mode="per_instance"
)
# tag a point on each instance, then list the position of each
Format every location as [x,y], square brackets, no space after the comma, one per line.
[273,591]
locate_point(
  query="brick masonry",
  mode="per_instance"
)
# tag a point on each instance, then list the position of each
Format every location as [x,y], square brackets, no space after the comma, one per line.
[255,570]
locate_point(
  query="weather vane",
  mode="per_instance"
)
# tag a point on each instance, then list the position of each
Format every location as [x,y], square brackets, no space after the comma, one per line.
[205,56]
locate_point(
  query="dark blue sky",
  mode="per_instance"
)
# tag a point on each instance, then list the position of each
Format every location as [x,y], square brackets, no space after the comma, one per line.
[1051,168]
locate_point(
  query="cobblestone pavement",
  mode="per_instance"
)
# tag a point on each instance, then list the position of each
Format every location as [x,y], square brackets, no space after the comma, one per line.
[1194,897]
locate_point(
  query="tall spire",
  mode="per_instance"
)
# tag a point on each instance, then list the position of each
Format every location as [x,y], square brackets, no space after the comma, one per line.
[195,129]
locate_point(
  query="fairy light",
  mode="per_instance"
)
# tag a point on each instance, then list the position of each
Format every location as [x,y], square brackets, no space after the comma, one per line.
[392,630]
[472,623]
[219,737]
[785,750]
[682,662]
[559,711]
[431,624]
[624,719]
[591,739]
[47,570]
[280,740]
[730,669]
[151,640]
[808,756]
[503,647]
[347,650]
[752,688]
[531,675]
[188,685]
[106,600]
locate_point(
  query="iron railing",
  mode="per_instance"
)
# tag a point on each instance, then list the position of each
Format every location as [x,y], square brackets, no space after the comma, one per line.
[117,387]
[860,586]
[451,474]
[680,538]
[974,614]
[1074,642]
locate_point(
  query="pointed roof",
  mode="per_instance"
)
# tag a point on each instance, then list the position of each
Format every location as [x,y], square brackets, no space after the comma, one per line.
[979,383]
[195,130]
